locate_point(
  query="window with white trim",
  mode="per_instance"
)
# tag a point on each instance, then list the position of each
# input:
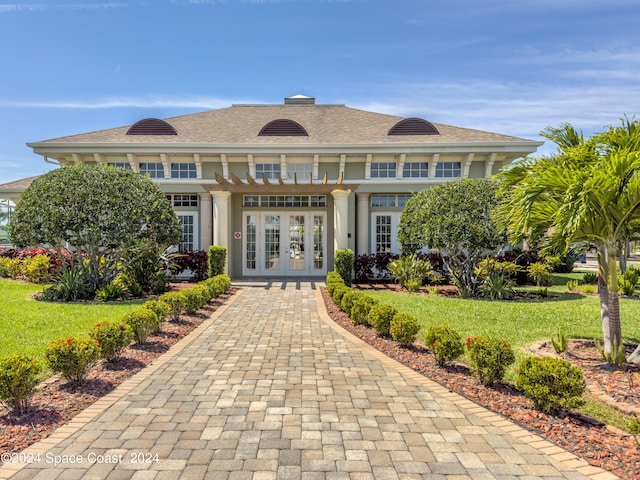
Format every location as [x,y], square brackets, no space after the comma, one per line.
[120,165]
[183,170]
[448,170]
[415,170]
[383,233]
[154,170]
[390,200]
[383,170]
[183,200]
[302,171]
[270,170]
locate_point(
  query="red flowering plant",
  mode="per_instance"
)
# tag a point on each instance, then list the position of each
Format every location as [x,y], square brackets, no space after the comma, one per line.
[445,343]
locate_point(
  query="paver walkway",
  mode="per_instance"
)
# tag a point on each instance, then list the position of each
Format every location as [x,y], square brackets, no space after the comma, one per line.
[270,388]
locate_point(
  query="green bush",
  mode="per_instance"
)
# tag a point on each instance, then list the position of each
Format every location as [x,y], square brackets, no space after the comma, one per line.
[338,293]
[36,268]
[70,284]
[113,337]
[572,285]
[348,299]
[344,264]
[10,267]
[489,358]
[404,328]
[113,291]
[627,287]
[588,289]
[560,342]
[497,286]
[176,301]
[216,259]
[331,286]
[333,276]
[217,285]
[380,317]
[410,271]
[361,308]
[632,275]
[19,375]
[590,278]
[143,322]
[193,299]
[161,308]
[445,343]
[73,357]
[553,384]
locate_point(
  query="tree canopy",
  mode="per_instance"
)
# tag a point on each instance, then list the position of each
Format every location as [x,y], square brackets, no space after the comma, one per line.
[97,210]
[457,219]
[588,191]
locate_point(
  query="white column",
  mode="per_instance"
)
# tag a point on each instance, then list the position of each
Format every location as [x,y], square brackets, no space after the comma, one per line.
[488,166]
[363,223]
[206,221]
[340,218]
[221,221]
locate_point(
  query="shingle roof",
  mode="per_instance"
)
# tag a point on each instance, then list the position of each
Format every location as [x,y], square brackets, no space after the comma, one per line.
[325,124]
[17,185]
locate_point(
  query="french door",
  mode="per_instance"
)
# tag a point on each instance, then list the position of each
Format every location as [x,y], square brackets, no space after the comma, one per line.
[284,243]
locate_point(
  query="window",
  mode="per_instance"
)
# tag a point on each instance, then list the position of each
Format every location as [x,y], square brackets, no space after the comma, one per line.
[448,170]
[402,200]
[183,200]
[415,170]
[383,233]
[154,170]
[302,171]
[183,170]
[120,165]
[270,170]
[284,201]
[188,233]
[383,170]
[383,200]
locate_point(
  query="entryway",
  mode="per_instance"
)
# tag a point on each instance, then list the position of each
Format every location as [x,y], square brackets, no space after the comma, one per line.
[281,243]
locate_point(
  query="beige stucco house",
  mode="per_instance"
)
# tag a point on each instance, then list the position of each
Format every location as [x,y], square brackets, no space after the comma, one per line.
[284,186]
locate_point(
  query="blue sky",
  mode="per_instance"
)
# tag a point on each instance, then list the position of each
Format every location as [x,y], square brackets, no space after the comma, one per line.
[506,66]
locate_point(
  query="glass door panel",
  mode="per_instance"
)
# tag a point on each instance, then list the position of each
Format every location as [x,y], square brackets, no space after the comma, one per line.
[296,242]
[272,243]
[318,242]
[251,242]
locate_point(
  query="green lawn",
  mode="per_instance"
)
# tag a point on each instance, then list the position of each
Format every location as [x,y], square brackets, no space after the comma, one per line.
[27,326]
[519,322]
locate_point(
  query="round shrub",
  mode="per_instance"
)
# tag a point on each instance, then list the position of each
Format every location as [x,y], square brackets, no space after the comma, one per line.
[489,358]
[333,284]
[193,300]
[343,262]
[203,291]
[445,343]
[161,308]
[19,375]
[380,317]
[217,285]
[176,301]
[348,299]
[113,338]
[404,328]
[73,357]
[36,268]
[360,310]
[339,292]
[143,322]
[553,384]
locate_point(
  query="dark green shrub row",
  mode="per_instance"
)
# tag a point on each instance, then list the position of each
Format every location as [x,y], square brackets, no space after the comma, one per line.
[73,357]
[552,384]
[402,326]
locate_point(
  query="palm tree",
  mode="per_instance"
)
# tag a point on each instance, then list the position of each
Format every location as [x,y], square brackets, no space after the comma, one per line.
[588,191]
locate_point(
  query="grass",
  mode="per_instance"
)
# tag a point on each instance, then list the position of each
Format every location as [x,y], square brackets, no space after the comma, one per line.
[27,325]
[522,323]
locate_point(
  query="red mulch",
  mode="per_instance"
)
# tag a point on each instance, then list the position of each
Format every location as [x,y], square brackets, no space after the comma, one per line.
[56,402]
[601,446]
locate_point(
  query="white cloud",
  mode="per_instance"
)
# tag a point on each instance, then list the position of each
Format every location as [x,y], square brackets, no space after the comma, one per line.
[120,102]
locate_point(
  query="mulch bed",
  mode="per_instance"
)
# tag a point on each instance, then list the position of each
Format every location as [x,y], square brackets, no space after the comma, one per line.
[600,445]
[56,402]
